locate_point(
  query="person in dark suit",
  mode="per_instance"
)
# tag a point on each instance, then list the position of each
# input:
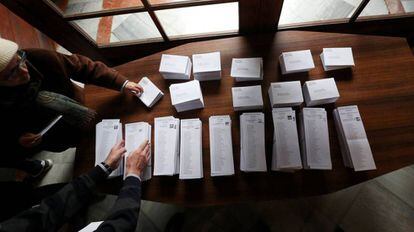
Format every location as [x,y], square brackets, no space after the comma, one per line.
[57,209]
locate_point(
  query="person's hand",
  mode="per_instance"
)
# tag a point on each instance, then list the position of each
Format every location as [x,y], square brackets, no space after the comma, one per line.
[30,140]
[138,159]
[134,88]
[115,155]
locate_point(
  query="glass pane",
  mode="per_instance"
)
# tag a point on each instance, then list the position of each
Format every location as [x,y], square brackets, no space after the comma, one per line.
[389,7]
[160,2]
[83,6]
[306,11]
[408,5]
[200,19]
[375,7]
[120,28]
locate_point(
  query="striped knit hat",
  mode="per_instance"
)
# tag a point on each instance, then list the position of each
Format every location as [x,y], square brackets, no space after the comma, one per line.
[7,51]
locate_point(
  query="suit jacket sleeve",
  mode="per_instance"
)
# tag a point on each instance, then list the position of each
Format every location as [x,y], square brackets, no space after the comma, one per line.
[124,214]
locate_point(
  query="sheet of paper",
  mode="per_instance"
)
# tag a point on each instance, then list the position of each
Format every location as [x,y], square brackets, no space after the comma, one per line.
[174,64]
[287,93]
[91,227]
[338,57]
[297,61]
[166,146]
[247,67]
[191,157]
[206,62]
[185,92]
[247,97]
[151,92]
[51,124]
[320,91]
[221,146]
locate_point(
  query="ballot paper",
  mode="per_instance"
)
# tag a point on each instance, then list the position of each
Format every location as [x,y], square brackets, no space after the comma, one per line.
[286,151]
[191,150]
[207,66]
[186,96]
[319,92]
[247,98]
[151,94]
[108,133]
[337,58]
[247,69]
[175,67]
[91,227]
[166,146]
[221,146]
[315,139]
[50,125]
[296,61]
[355,148]
[284,94]
[135,134]
[252,142]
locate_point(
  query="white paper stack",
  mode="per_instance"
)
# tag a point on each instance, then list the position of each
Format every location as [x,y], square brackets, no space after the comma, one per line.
[252,142]
[337,58]
[191,149]
[319,92]
[247,69]
[286,151]
[151,95]
[353,140]
[247,98]
[314,138]
[108,133]
[167,146]
[284,94]
[175,67]
[186,96]
[295,62]
[207,66]
[135,134]
[221,146]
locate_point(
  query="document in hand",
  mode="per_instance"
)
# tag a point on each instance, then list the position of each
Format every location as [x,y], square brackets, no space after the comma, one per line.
[286,151]
[191,149]
[337,58]
[247,98]
[315,139]
[108,133]
[252,142]
[207,66]
[186,96]
[151,95]
[319,92]
[296,61]
[353,140]
[221,146]
[175,67]
[247,69]
[167,146]
[135,134]
[284,94]
[50,125]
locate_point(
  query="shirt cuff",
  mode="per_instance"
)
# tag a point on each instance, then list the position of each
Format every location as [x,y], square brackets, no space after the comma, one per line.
[133,175]
[123,85]
[104,169]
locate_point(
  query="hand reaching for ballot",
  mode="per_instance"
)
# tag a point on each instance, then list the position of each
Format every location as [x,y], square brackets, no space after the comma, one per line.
[116,154]
[134,88]
[138,159]
[29,140]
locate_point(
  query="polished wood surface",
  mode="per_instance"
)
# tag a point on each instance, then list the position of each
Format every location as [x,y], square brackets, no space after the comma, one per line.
[381,84]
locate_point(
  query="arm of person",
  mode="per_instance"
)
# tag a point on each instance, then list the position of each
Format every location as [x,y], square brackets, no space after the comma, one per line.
[57,209]
[124,214]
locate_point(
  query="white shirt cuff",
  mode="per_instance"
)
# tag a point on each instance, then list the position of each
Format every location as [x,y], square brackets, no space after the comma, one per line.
[123,85]
[133,175]
[104,169]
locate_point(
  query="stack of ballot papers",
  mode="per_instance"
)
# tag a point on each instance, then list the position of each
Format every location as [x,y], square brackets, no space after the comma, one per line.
[207,66]
[252,142]
[315,139]
[337,58]
[319,92]
[175,67]
[151,94]
[221,146]
[191,149]
[186,96]
[286,151]
[284,94]
[353,140]
[135,135]
[108,133]
[167,146]
[247,98]
[297,61]
[247,69]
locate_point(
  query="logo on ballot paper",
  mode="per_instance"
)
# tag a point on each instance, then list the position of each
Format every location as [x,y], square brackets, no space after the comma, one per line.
[116,127]
[358,118]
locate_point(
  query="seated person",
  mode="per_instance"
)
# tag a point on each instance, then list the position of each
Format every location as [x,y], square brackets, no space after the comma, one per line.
[36,87]
[57,209]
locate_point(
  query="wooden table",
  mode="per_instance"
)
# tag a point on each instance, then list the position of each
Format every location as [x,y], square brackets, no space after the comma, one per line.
[381,84]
